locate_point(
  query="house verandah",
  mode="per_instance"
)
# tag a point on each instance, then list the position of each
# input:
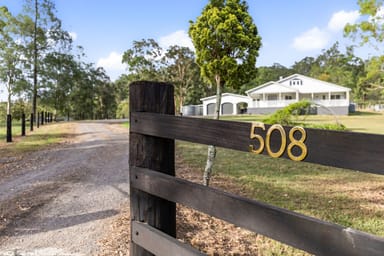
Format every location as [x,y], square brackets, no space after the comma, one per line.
[328,98]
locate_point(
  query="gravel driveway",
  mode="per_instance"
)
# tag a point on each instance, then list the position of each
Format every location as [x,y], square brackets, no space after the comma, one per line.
[67,197]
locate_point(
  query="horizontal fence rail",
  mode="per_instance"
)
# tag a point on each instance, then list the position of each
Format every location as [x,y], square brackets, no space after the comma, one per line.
[307,233]
[159,243]
[350,150]
[154,191]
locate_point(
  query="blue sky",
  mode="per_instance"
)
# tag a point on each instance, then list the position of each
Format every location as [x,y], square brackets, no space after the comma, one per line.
[290,30]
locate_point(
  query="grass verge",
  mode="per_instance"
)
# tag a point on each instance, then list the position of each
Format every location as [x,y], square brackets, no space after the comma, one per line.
[40,138]
[349,198]
[352,199]
[16,129]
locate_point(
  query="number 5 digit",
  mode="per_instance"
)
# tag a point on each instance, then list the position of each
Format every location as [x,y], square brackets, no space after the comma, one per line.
[253,135]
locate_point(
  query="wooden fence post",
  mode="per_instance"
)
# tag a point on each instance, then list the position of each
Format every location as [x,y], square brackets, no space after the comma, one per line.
[42,117]
[23,124]
[9,128]
[31,122]
[153,153]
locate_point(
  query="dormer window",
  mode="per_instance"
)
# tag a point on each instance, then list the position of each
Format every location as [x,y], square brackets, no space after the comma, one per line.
[296,81]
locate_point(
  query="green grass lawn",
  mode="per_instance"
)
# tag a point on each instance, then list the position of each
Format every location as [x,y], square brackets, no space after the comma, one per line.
[126,124]
[40,138]
[350,198]
[16,129]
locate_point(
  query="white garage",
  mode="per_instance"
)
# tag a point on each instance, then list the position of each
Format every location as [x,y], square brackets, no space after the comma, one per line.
[231,104]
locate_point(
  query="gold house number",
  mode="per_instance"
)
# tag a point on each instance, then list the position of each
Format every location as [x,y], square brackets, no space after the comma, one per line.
[293,142]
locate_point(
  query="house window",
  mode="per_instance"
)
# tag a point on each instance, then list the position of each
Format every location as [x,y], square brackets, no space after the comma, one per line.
[296,82]
[324,97]
[288,97]
[335,97]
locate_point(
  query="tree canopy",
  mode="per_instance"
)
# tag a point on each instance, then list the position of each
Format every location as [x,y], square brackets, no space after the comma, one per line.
[226,42]
[227,45]
[38,62]
[371,29]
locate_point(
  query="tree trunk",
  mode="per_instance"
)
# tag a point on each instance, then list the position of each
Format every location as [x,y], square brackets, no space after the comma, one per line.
[35,53]
[211,148]
[10,92]
[181,102]
[9,128]
[9,103]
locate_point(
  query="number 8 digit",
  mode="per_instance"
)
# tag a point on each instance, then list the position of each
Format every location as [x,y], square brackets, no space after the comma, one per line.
[299,143]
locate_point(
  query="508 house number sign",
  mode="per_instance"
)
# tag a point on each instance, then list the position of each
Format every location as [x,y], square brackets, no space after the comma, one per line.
[293,141]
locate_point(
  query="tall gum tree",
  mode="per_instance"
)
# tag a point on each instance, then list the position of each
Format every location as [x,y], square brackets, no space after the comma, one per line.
[42,33]
[182,71]
[370,30]
[227,45]
[10,59]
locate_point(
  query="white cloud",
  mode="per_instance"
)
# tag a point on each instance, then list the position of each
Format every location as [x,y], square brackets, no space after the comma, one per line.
[313,39]
[179,37]
[112,62]
[112,65]
[341,18]
[73,35]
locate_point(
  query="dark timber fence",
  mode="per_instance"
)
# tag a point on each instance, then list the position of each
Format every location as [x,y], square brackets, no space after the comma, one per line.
[9,128]
[48,118]
[154,189]
[23,124]
[31,122]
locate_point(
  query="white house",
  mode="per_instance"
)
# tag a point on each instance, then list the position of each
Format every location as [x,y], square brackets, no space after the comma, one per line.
[267,98]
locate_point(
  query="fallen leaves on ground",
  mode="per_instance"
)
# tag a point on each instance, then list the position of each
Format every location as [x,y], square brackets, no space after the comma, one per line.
[208,234]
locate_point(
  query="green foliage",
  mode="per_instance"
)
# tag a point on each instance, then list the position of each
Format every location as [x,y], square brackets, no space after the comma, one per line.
[10,55]
[19,107]
[267,74]
[182,72]
[286,115]
[41,32]
[105,101]
[334,127]
[123,109]
[144,60]
[370,86]
[226,42]
[333,66]
[121,86]
[370,29]
[290,116]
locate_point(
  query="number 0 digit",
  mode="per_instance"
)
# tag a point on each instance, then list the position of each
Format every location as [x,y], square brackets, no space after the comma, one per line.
[283,140]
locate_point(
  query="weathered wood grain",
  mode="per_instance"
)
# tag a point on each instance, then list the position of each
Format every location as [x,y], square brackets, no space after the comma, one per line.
[309,234]
[356,151]
[154,153]
[159,243]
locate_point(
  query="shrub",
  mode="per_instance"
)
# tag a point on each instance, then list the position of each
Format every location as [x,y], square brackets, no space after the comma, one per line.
[284,116]
[289,116]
